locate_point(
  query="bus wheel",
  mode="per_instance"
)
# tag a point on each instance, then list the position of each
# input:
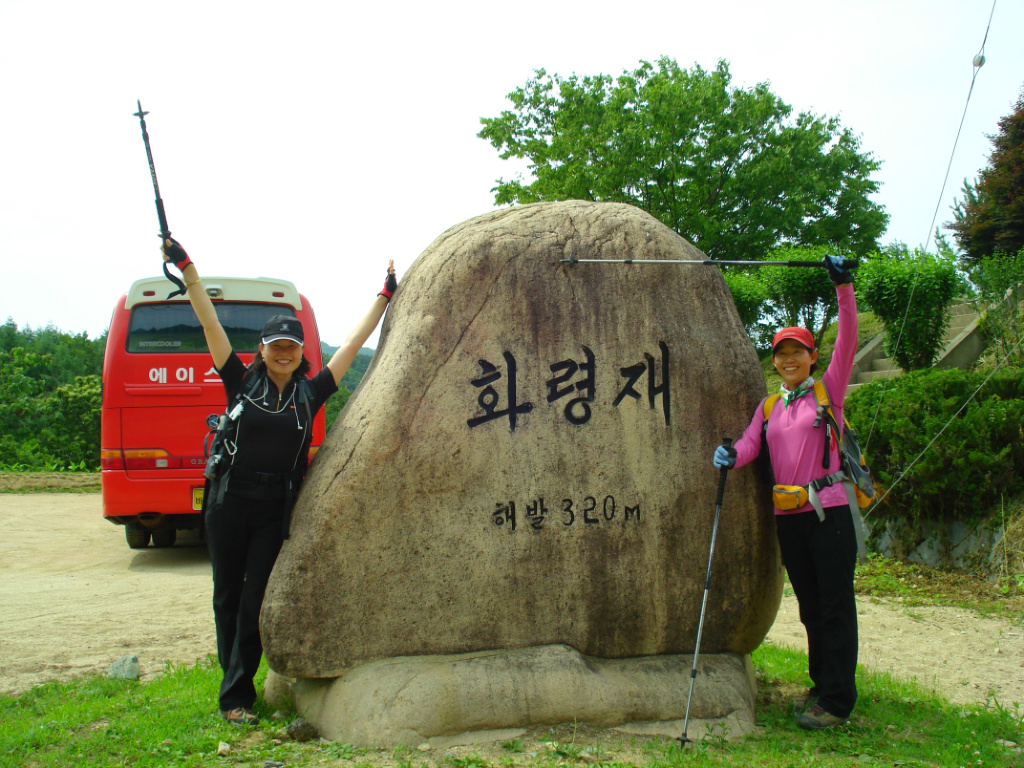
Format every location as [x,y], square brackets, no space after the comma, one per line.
[138,538]
[164,537]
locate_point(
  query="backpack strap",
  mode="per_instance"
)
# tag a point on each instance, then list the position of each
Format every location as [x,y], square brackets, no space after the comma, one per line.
[303,394]
[250,381]
[842,476]
[832,431]
[765,457]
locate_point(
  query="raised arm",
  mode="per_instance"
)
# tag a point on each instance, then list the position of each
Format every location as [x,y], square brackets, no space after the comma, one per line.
[342,359]
[216,338]
[837,377]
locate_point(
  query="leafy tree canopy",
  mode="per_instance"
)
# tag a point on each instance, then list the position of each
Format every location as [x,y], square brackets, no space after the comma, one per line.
[989,219]
[729,169]
[67,355]
[49,398]
[349,382]
[804,297]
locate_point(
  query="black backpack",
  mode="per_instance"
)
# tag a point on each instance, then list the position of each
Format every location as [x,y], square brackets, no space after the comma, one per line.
[220,444]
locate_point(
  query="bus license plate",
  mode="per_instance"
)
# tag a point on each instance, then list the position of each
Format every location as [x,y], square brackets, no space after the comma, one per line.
[197,498]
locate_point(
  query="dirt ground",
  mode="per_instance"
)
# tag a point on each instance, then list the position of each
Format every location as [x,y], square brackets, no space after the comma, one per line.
[75,598]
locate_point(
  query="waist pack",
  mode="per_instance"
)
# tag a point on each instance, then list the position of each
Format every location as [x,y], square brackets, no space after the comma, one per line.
[853,472]
[789,497]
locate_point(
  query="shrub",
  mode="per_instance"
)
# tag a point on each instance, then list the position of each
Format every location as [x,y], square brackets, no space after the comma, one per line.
[886,282]
[978,458]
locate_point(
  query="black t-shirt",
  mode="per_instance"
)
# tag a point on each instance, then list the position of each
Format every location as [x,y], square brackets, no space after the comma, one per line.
[273,435]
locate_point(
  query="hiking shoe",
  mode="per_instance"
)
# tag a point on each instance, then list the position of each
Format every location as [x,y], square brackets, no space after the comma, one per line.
[239,716]
[803,704]
[816,718]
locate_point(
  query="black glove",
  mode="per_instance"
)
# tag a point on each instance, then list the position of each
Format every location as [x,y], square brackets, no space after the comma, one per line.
[837,273]
[390,284]
[172,250]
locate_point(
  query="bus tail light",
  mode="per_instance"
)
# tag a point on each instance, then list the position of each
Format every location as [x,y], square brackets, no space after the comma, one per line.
[146,458]
[150,458]
[111,459]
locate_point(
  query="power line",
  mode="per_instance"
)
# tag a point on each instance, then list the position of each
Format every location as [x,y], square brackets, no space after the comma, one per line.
[978,63]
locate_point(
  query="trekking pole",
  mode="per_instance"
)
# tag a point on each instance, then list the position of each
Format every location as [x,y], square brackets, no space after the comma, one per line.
[847,263]
[165,233]
[684,739]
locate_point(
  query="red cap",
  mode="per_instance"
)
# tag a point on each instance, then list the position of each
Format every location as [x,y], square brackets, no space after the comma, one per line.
[797,334]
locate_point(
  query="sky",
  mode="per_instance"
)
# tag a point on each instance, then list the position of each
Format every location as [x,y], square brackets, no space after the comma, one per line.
[313,141]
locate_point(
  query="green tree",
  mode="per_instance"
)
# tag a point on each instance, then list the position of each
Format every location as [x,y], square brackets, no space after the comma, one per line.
[49,398]
[989,219]
[749,295]
[25,416]
[73,436]
[69,355]
[729,169]
[887,281]
[348,383]
[335,405]
[799,296]
[1000,283]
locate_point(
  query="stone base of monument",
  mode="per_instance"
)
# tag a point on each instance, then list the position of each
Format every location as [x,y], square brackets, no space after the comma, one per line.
[493,695]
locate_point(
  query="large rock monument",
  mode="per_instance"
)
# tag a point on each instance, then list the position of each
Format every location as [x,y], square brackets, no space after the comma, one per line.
[525,473]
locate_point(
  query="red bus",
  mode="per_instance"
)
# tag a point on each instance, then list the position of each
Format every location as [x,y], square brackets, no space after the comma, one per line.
[162,395]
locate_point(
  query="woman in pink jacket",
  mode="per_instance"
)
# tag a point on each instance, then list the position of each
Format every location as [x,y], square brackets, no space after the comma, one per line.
[819,549]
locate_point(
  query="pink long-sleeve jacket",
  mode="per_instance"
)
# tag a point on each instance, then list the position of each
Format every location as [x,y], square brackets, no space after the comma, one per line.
[796,446]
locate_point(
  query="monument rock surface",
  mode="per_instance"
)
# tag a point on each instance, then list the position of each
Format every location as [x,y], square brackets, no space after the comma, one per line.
[527,461]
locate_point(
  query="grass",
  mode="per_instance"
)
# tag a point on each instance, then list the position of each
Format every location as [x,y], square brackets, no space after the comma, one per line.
[920,585]
[49,482]
[170,722]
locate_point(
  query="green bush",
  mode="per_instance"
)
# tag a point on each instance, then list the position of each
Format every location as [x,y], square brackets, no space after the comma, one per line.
[976,460]
[918,287]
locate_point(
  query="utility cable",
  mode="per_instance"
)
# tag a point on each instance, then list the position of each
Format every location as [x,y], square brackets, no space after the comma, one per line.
[979,61]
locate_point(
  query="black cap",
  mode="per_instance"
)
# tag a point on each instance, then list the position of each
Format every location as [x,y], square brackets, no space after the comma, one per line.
[282,327]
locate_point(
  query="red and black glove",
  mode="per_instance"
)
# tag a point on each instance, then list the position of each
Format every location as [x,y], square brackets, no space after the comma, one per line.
[390,284]
[172,250]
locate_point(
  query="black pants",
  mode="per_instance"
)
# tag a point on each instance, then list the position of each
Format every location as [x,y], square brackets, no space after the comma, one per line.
[244,536]
[820,559]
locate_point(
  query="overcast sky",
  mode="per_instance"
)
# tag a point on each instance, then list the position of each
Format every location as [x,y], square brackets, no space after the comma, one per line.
[313,141]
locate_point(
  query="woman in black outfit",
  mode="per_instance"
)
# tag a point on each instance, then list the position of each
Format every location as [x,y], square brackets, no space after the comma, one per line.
[269,453]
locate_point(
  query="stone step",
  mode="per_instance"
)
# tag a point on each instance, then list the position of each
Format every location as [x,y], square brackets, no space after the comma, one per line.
[957,323]
[962,309]
[961,316]
[864,378]
[883,364]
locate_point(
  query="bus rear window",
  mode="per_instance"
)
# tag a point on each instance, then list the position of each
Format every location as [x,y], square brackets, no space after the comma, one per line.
[174,327]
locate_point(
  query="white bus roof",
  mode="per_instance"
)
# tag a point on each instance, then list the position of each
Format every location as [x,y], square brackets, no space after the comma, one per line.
[261,289]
